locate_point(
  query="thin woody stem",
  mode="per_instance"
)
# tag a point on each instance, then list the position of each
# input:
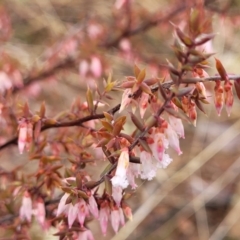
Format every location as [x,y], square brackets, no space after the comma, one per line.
[70,62]
[195,80]
[211,79]
[77,122]
[80,121]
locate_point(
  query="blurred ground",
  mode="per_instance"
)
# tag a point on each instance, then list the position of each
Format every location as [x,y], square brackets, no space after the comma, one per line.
[197,196]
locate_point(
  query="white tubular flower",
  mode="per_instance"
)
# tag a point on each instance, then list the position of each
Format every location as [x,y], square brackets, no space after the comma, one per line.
[166,160]
[173,139]
[132,172]
[120,178]
[62,206]
[149,168]
[72,214]
[93,207]
[117,195]
[177,126]
[104,215]
[159,145]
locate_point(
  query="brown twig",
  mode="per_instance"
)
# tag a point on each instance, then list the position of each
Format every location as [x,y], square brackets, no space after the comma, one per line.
[80,121]
[70,62]
[77,122]
[28,80]
[145,26]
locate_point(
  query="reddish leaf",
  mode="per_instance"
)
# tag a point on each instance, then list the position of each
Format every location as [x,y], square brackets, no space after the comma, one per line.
[221,70]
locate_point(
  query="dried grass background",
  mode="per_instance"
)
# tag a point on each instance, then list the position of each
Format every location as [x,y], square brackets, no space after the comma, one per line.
[198,196]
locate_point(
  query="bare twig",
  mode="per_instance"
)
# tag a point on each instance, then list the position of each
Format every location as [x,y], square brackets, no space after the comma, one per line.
[70,62]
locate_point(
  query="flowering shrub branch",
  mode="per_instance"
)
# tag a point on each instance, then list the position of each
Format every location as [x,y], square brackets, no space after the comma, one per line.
[80,121]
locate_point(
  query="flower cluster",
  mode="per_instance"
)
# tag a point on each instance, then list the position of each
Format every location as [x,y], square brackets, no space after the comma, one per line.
[155,157]
[36,208]
[77,208]
[25,135]
[91,70]
[223,93]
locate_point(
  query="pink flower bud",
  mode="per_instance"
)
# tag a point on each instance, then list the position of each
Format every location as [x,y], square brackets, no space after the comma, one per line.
[82,211]
[22,137]
[72,214]
[201,89]
[143,103]
[219,97]
[125,45]
[40,212]
[26,208]
[83,68]
[228,96]
[25,135]
[103,218]
[96,67]
[128,212]
[192,112]
[115,220]
[93,207]
[62,204]
[94,30]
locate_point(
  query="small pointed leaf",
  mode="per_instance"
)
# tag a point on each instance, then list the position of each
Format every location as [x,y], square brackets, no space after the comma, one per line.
[141,75]
[182,91]
[108,116]
[184,38]
[89,99]
[221,70]
[137,122]
[136,70]
[42,110]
